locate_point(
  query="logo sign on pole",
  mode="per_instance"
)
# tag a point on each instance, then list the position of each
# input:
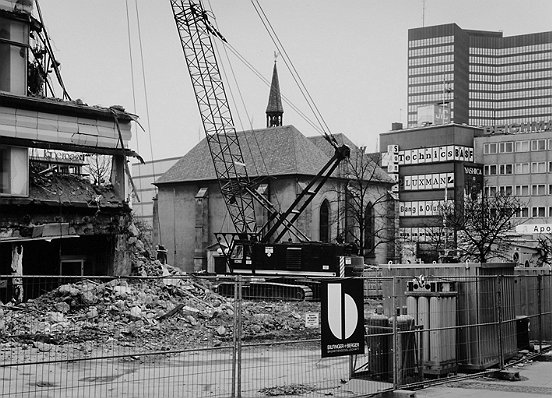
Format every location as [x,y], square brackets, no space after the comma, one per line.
[342,327]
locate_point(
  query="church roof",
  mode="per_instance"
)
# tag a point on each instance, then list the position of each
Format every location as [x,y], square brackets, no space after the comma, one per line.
[321,142]
[370,167]
[274,151]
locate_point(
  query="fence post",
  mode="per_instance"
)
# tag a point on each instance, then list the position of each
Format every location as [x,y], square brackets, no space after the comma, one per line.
[395,337]
[235,338]
[539,308]
[499,309]
[240,322]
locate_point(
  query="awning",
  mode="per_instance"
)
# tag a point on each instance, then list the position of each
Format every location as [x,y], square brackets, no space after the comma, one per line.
[27,239]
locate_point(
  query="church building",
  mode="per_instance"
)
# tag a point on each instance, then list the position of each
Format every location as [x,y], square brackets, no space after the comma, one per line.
[190,208]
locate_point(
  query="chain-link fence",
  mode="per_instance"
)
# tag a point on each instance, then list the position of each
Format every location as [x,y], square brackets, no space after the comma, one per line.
[238,337]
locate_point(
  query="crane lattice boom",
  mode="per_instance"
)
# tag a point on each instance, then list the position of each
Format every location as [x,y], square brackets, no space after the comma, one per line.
[196,33]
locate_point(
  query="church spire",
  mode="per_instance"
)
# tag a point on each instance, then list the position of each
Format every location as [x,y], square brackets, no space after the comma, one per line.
[274,110]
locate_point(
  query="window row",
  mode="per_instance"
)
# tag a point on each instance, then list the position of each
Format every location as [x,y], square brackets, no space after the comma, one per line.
[425,70]
[511,113]
[430,78]
[429,98]
[512,59]
[432,41]
[430,51]
[511,104]
[506,95]
[511,50]
[491,120]
[429,60]
[425,234]
[518,146]
[520,190]
[517,168]
[428,88]
[535,211]
[482,77]
[507,87]
[515,68]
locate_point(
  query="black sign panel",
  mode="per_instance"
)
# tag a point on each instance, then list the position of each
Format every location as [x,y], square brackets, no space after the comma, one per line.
[342,317]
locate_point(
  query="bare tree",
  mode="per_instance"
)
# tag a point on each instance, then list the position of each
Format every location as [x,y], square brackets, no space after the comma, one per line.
[99,169]
[482,224]
[544,248]
[366,209]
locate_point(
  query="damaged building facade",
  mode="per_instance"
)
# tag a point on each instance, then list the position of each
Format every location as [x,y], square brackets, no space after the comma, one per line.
[53,219]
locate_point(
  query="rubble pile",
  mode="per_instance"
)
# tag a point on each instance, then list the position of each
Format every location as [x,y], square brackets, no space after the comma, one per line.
[156,313]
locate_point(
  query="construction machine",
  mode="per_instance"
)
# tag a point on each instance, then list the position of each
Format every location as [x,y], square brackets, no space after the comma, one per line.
[252,250]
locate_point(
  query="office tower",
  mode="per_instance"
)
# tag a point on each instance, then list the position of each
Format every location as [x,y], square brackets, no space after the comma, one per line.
[481,77]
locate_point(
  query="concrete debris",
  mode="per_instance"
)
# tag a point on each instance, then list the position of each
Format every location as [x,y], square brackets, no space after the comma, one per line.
[167,309]
[133,231]
[43,347]
[185,313]
[62,307]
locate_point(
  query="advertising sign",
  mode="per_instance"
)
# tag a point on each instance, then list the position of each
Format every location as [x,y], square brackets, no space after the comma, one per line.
[534,229]
[342,327]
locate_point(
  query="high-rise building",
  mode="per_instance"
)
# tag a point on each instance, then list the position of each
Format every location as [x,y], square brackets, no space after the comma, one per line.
[481,77]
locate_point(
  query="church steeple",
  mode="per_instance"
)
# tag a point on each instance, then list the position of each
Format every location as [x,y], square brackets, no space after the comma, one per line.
[274,110]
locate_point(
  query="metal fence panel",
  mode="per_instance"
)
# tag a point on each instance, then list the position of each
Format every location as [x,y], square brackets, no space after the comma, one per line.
[171,336]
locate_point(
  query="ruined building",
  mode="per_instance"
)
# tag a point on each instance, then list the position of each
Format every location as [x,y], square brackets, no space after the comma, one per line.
[58,214]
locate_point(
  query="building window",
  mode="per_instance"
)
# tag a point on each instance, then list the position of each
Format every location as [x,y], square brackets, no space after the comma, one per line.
[14,39]
[538,167]
[506,190]
[538,189]
[522,146]
[490,191]
[490,169]
[369,229]
[523,212]
[325,221]
[538,211]
[506,147]
[506,168]
[486,149]
[14,171]
[538,145]
[522,190]
[522,168]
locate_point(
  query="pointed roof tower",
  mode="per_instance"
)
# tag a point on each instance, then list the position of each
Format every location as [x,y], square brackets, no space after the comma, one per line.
[274,110]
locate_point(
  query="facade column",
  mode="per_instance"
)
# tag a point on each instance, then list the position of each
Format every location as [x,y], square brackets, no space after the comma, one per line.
[17,270]
[201,230]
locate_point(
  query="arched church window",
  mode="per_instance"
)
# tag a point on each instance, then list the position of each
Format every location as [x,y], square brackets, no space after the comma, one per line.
[369,228]
[325,221]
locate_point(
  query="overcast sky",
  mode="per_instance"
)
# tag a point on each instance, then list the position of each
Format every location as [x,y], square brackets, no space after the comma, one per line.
[351,55]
